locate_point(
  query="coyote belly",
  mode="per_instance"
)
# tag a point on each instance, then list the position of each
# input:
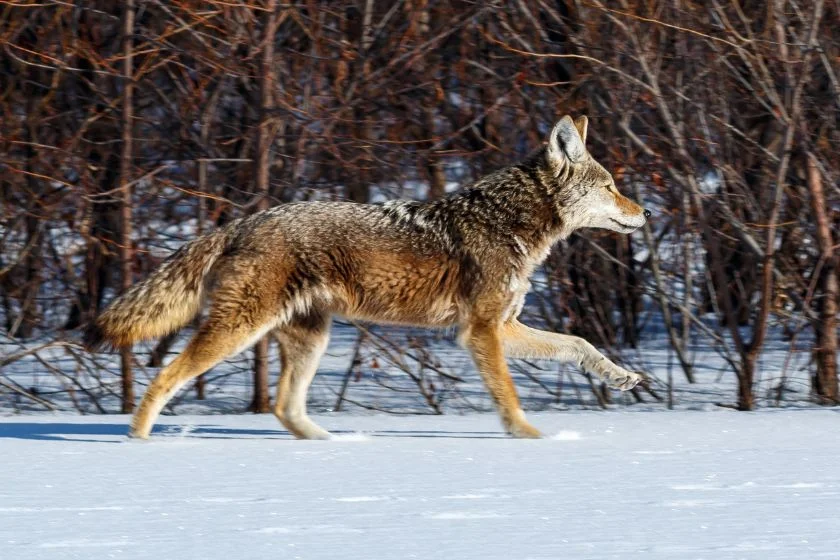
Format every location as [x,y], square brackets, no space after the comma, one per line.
[461,261]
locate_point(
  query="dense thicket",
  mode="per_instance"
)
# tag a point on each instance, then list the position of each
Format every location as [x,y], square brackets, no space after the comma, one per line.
[126,127]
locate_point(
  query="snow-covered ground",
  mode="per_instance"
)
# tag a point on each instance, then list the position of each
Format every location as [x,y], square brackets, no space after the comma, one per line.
[618,484]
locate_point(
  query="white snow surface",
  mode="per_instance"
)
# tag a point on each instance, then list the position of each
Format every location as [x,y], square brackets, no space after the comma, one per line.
[619,484]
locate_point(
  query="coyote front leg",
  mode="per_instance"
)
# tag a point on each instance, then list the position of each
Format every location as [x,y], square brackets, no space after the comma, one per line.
[521,341]
[484,341]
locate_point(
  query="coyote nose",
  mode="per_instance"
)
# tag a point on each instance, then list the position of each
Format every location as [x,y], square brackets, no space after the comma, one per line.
[647,213]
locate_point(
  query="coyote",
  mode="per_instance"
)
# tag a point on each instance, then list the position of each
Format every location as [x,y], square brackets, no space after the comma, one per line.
[459,261]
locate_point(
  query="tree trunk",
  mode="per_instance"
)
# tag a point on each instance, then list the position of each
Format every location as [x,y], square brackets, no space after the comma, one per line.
[261,401]
[206,120]
[746,396]
[825,353]
[29,282]
[28,318]
[679,346]
[125,202]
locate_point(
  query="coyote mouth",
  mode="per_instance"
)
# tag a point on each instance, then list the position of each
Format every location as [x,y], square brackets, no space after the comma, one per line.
[625,226]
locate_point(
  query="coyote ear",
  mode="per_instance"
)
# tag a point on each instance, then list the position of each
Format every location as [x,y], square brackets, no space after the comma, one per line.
[565,142]
[581,124]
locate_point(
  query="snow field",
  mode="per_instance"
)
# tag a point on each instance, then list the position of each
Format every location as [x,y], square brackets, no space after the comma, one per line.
[640,484]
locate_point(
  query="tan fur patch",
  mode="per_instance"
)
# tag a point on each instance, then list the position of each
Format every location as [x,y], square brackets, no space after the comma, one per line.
[626,205]
[404,288]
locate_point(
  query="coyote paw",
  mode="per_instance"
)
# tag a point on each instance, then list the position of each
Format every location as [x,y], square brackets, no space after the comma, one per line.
[624,380]
[135,436]
[524,431]
[517,425]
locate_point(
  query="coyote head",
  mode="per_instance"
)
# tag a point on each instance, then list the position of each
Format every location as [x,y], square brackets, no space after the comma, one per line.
[586,195]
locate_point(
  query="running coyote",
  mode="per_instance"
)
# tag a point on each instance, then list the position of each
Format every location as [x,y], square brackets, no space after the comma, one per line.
[460,261]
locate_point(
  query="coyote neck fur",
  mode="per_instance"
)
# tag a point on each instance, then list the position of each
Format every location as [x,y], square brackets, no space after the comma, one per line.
[513,212]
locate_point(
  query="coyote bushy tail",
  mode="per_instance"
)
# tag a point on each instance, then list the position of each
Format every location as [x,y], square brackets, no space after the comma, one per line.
[163,302]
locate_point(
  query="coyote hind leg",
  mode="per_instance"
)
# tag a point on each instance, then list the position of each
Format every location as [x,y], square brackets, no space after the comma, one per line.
[214,342]
[302,343]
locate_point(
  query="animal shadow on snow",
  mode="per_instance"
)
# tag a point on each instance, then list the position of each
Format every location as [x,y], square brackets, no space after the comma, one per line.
[48,431]
[81,432]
